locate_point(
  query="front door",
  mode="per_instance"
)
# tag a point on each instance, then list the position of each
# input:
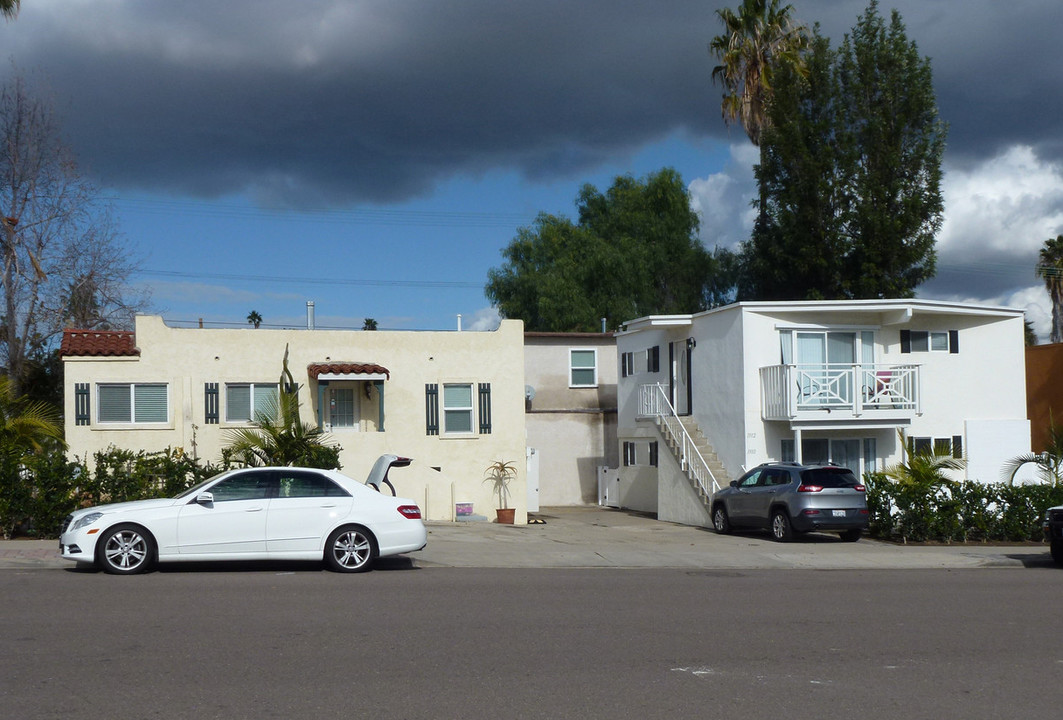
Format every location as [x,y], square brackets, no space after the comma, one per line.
[679,380]
[234,524]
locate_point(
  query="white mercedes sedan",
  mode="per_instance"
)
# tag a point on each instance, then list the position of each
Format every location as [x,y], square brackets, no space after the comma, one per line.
[267,513]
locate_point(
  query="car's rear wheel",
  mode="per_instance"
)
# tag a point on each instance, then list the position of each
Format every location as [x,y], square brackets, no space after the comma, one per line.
[125,550]
[350,549]
[780,526]
[851,535]
[720,522]
[1057,551]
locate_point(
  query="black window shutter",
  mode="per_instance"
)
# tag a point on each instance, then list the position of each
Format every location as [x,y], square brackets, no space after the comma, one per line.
[653,454]
[954,341]
[906,341]
[655,359]
[82,415]
[431,411]
[485,408]
[957,446]
[210,403]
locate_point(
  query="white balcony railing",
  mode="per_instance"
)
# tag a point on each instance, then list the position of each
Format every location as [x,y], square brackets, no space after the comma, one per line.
[802,391]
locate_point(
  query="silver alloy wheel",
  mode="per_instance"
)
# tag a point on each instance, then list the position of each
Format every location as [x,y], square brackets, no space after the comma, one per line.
[126,550]
[352,549]
[719,520]
[780,526]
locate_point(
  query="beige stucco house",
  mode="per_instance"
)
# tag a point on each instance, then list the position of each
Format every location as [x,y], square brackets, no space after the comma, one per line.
[453,401]
[571,414]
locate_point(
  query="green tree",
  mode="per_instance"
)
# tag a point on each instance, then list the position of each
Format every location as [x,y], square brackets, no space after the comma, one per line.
[9,8]
[369,324]
[254,319]
[1049,463]
[634,251]
[850,173]
[278,437]
[1050,269]
[757,39]
[26,427]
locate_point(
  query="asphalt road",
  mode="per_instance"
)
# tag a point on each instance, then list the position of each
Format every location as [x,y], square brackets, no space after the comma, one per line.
[443,642]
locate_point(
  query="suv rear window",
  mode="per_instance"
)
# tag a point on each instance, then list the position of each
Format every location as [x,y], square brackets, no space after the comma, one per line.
[829,477]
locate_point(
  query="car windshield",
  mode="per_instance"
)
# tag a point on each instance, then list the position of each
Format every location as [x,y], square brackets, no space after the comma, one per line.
[192,490]
[829,477]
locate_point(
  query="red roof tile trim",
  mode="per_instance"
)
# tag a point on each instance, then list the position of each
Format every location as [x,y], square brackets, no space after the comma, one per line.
[99,343]
[315,369]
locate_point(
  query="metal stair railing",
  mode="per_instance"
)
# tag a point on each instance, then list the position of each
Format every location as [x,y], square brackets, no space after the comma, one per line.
[654,402]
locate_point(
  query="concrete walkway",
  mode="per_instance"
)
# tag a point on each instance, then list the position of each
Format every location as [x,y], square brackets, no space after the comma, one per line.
[594,537]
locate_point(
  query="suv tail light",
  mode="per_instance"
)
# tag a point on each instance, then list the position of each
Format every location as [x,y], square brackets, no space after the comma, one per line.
[809,488]
[859,488]
[411,512]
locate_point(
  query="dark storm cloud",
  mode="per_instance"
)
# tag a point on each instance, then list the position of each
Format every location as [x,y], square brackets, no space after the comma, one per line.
[323,102]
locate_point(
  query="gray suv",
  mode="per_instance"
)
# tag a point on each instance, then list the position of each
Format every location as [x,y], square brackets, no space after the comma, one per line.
[789,498]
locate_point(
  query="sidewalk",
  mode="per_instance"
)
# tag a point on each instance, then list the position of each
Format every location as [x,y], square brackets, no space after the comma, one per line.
[594,537]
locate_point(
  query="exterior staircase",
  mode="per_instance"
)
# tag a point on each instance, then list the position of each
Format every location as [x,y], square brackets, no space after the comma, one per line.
[695,455]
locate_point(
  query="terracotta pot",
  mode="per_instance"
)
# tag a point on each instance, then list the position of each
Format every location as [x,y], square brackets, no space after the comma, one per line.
[505,515]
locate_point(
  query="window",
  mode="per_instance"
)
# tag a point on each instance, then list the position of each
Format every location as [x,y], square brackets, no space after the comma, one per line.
[913,341]
[947,446]
[245,486]
[629,454]
[653,359]
[133,403]
[627,364]
[653,454]
[457,408]
[244,401]
[583,368]
[341,407]
[294,484]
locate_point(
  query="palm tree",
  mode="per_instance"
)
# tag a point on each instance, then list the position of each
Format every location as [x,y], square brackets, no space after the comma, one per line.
[1050,269]
[1049,463]
[253,318]
[277,437]
[756,39]
[26,427]
[9,8]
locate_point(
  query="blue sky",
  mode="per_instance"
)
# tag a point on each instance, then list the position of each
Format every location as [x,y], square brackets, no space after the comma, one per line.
[375,157]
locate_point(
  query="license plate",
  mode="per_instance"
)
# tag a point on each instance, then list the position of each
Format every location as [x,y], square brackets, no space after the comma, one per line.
[839,513]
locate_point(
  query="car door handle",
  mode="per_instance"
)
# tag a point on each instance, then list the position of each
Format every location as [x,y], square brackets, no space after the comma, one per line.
[254,509]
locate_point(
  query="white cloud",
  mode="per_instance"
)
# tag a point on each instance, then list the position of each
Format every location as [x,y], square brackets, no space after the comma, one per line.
[1010,203]
[722,200]
[485,319]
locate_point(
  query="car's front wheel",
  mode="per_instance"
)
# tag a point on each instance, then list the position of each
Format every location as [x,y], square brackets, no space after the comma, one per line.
[1057,551]
[720,522]
[780,526]
[350,549]
[125,550]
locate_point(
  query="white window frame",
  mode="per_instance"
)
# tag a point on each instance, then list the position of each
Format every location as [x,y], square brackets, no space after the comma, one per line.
[133,420]
[253,408]
[572,368]
[446,410]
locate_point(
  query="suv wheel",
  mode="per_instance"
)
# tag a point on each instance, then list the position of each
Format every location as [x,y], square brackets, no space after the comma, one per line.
[780,526]
[720,521]
[1057,551]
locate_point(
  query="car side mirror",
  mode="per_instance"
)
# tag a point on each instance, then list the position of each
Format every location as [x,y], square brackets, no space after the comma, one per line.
[734,483]
[205,498]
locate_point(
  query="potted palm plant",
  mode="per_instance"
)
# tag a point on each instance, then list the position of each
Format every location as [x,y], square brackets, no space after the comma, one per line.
[500,473]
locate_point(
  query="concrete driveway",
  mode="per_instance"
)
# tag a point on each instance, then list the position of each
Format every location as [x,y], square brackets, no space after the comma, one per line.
[595,537]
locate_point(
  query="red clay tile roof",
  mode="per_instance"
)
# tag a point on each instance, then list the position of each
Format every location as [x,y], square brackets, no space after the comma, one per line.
[341,368]
[99,343]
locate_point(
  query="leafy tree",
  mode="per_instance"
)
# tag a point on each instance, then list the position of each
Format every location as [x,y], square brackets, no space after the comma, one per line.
[850,173]
[1049,463]
[634,251]
[369,324]
[1050,269]
[9,8]
[757,39]
[26,427]
[61,260]
[254,319]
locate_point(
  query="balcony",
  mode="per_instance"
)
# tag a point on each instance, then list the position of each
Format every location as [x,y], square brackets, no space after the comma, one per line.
[837,392]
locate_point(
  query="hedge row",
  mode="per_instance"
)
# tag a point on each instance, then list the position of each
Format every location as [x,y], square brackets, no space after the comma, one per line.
[957,511]
[37,492]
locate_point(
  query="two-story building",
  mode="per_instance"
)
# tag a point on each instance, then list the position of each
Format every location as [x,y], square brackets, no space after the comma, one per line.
[704,397]
[453,401]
